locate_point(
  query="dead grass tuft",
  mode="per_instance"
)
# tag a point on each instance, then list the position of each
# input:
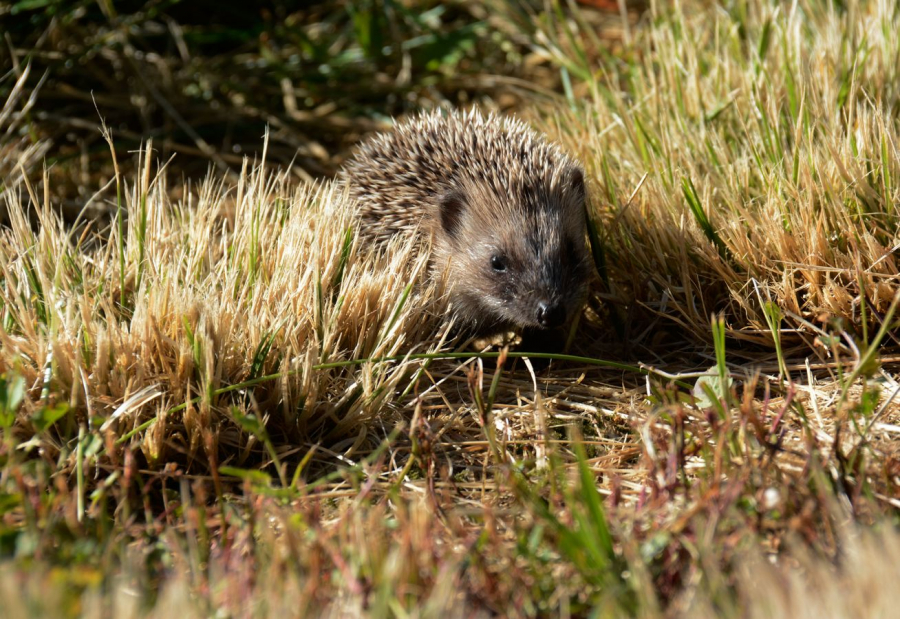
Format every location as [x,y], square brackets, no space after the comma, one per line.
[228,287]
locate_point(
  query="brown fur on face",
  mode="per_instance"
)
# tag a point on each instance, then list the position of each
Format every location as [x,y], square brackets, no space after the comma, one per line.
[504,208]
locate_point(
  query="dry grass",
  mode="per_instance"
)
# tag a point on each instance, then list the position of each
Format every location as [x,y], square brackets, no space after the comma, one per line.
[19,151]
[744,156]
[226,288]
[222,404]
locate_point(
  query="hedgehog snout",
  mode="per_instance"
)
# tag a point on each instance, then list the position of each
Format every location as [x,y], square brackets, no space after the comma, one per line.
[550,314]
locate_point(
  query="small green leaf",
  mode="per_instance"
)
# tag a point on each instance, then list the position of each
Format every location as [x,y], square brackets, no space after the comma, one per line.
[261,354]
[31,5]
[249,475]
[44,418]
[342,264]
[596,527]
[12,391]
[764,40]
[693,200]
[709,389]
[250,424]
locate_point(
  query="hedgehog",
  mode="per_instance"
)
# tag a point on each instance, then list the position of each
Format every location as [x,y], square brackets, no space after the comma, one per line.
[503,208]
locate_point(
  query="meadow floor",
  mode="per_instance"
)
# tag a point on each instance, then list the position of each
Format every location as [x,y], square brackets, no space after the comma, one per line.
[221,404]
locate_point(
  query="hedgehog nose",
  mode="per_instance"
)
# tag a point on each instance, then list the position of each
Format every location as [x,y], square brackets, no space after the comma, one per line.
[550,316]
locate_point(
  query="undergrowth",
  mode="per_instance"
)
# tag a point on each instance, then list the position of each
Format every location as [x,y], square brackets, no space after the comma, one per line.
[202,79]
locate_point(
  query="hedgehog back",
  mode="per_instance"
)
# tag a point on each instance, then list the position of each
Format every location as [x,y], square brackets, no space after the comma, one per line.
[399,177]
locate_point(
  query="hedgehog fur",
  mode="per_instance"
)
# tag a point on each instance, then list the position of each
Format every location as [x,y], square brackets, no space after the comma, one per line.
[503,207]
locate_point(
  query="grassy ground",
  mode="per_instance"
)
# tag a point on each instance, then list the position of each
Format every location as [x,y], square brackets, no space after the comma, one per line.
[221,404]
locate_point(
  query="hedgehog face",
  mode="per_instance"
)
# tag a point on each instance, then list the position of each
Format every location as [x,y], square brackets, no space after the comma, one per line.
[528,264]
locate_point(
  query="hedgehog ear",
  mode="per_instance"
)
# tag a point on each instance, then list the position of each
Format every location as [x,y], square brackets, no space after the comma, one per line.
[452,205]
[577,183]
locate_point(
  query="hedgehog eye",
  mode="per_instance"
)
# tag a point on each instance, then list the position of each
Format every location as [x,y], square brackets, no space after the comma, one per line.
[498,263]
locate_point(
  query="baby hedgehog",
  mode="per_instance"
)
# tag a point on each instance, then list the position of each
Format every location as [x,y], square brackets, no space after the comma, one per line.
[504,209]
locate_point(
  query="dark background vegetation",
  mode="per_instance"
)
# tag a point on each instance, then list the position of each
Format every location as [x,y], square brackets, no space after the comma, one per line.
[204,79]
